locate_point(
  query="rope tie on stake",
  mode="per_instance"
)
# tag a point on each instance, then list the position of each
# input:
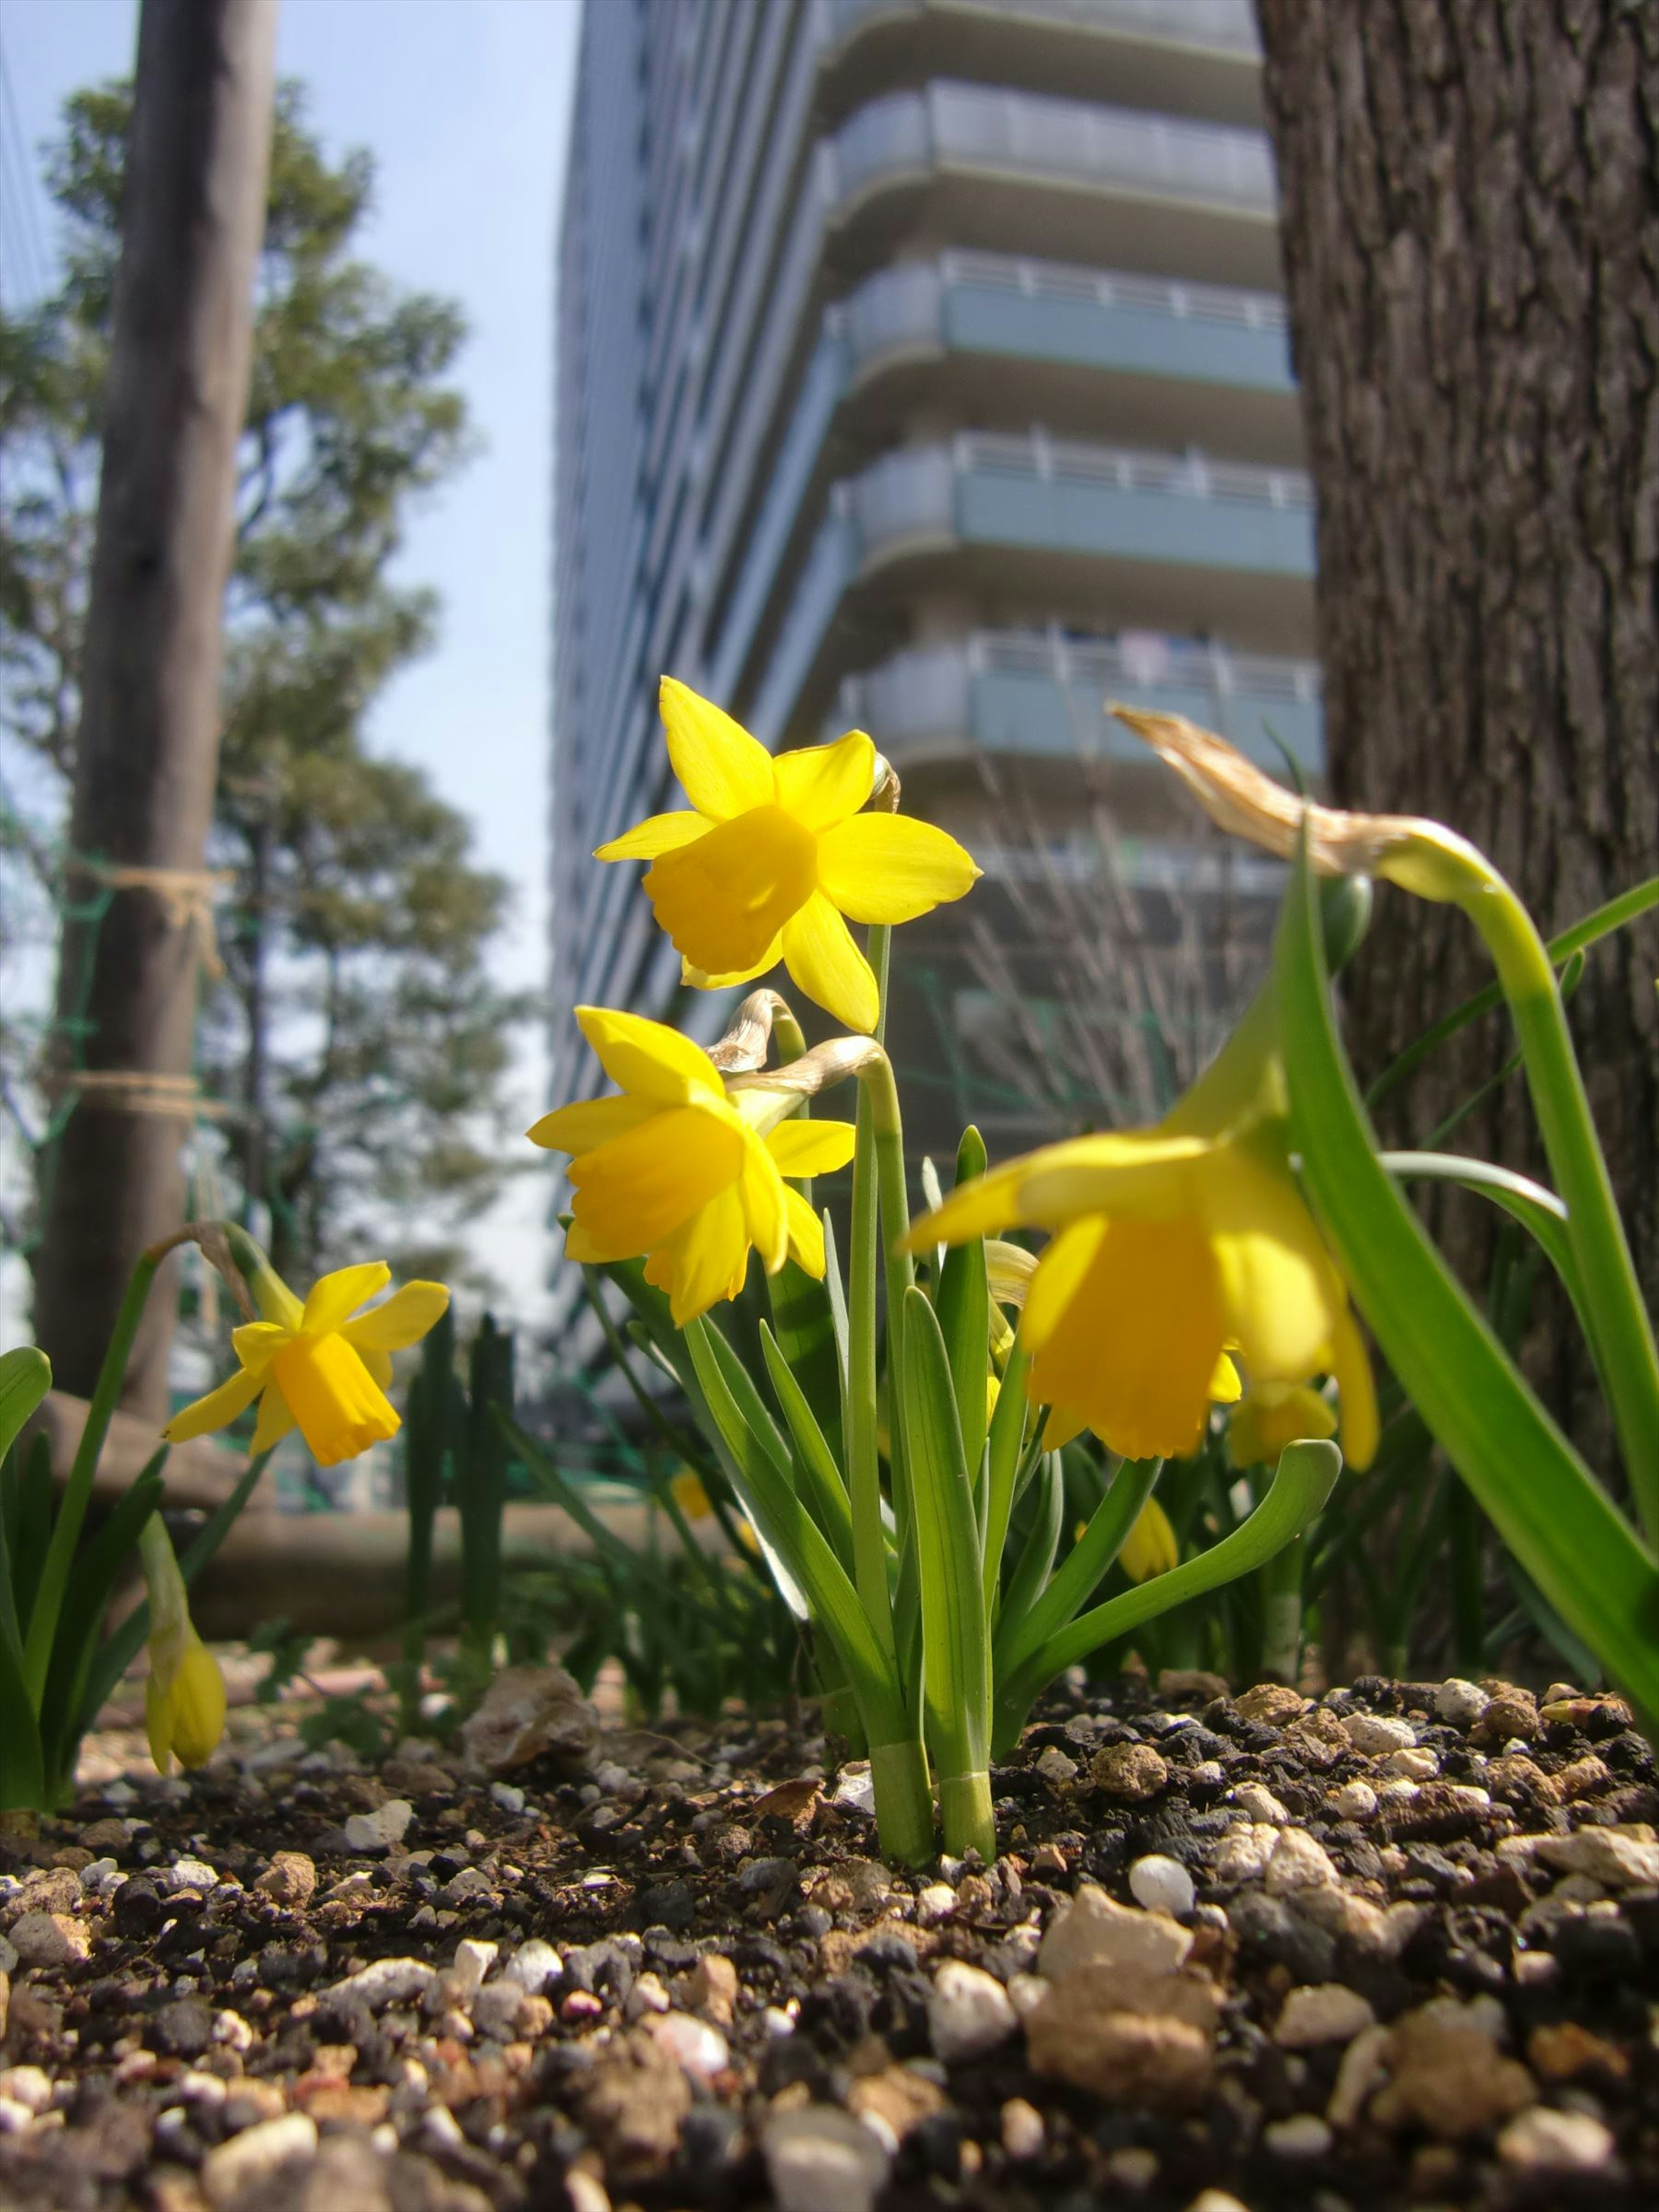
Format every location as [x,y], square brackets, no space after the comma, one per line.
[186,896]
[141,1091]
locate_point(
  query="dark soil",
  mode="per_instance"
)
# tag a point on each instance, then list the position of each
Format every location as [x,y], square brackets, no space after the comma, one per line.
[735,1975]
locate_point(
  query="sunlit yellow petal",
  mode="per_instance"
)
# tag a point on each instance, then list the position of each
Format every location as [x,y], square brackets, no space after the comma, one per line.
[705,1260]
[1150,1548]
[256,1343]
[658,833]
[805,1230]
[647,1059]
[217,1410]
[821,956]
[890,868]
[1009,1269]
[635,1191]
[404,1319]
[590,1122]
[1352,1366]
[1280,1294]
[699,979]
[340,1408]
[1225,1388]
[275,1421]
[579,1247]
[379,1364]
[811,1148]
[821,785]
[1272,1415]
[1063,1422]
[1060,1271]
[723,900]
[723,770]
[1141,1173]
[762,1190]
[334,1298]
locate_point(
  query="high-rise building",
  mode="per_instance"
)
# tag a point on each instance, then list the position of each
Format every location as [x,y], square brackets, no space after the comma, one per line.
[922,367]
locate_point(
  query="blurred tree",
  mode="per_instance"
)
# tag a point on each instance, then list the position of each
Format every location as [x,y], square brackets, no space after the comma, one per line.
[1470,201]
[356,1032]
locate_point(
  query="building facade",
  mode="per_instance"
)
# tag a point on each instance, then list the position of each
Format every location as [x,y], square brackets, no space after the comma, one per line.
[922,367]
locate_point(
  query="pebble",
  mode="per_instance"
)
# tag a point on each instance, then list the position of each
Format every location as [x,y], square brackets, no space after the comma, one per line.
[1365,2065]
[1093,1929]
[533,1966]
[1273,1704]
[473,1960]
[1303,2135]
[935,1901]
[1460,1703]
[50,1939]
[1353,1801]
[1412,1765]
[386,1982]
[1163,1884]
[1133,1771]
[691,2043]
[382,1829]
[1326,2012]
[1545,2139]
[1299,1862]
[1374,1735]
[820,2159]
[234,2170]
[1023,2134]
[290,1879]
[27,2086]
[526,1711]
[15,2119]
[968,2013]
[1129,2037]
[1617,1857]
[189,1874]
[1244,1851]
[1447,2073]
[1259,1805]
[855,1791]
[1055,1767]
[508,1796]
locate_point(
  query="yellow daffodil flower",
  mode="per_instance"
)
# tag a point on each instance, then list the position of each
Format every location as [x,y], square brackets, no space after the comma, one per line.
[323,1365]
[777,857]
[184,1695]
[1173,1246]
[678,1174]
[1150,1548]
[1272,1415]
[688,1494]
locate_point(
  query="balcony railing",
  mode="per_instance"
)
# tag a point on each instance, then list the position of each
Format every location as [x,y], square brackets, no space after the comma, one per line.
[1222,26]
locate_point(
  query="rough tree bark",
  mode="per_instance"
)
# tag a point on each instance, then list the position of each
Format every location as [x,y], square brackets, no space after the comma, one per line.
[192,219]
[1471,236]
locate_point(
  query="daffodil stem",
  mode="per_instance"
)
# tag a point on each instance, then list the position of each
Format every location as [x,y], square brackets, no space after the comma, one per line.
[904,1801]
[863,1465]
[965,1814]
[77,1492]
[1620,1336]
[1280,1582]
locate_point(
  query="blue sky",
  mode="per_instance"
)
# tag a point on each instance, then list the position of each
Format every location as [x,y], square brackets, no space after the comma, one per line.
[465,105]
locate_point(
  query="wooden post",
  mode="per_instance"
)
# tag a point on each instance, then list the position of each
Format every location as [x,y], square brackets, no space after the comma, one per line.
[197,168]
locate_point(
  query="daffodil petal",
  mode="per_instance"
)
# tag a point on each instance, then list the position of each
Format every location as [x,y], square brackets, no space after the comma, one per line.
[658,833]
[1225,1388]
[1063,1422]
[1280,1295]
[256,1343]
[989,1202]
[705,1260]
[821,785]
[404,1319]
[1150,1548]
[805,1230]
[1010,1268]
[1138,1173]
[821,956]
[379,1364]
[891,868]
[1061,1269]
[699,979]
[638,1189]
[723,900]
[590,1123]
[334,1298]
[811,1148]
[275,1422]
[723,770]
[647,1059]
[1352,1366]
[217,1410]
[340,1409]
[762,1189]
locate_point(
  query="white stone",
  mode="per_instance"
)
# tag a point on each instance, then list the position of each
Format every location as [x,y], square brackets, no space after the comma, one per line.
[777,2023]
[1543,2137]
[507,1796]
[533,1966]
[1257,1802]
[473,1960]
[1216,2200]
[935,1901]
[1414,1764]
[1619,1858]
[1299,1862]
[1460,1703]
[820,2159]
[382,1829]
[1163,1884]
[1093,1929]
[1353,1801]
[1022,2130]
[1243,1852]
[1399,1789]
[586,2191]
[968,2013]
[1364,2064]
[231,2171]
[387,1982]
[441,2130]
[208,2091]
[50,1939]
[1026,1992]
[647,1995]
[855,1791]
[1055,1767]
[1324,2012]
[28,2086]
[15,2119]
[700,2049]
[1304,2135]
[1372,1734]
[188,1873]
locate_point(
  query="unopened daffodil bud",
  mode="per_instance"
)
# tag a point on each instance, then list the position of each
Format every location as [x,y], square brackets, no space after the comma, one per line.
[1272,1415]
[185,1695]
[1150,1548]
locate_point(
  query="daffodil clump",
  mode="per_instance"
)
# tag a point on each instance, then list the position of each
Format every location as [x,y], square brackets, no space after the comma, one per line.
[897,1445]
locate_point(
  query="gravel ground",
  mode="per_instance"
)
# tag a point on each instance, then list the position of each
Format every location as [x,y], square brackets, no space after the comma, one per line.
[1398,1948]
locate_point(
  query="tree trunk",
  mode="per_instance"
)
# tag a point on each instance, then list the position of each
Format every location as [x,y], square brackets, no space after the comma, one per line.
[193,217]
[1471,206]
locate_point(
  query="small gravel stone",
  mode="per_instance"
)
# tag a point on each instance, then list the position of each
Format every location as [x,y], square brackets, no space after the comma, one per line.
[935,1901]
[27,2086]
[1258,1804]
[290,1879]
[1353,1801]
[1303,2135]
[184,2028]
[820,2159]
[1127,2037]
[50,1939]
[473,1960]
[386,1982]
[15,2119]
[382,1829]
[1163,1884]
[188,1872]
[1543,2139]
[1133,1771]
[508,1796]
[968,2013]
[1022,2130]
[1614,1856]
[855,1791]
[1327,2013]
[1460,1703]
[1055,1767]
[1374,1735]
[1299,1862]
[1244,1851]
[1412,1766]
[691,2043]
[234,2170]
[533,1966]
[1365,2065]
[1273,1703]
[1093,1929]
